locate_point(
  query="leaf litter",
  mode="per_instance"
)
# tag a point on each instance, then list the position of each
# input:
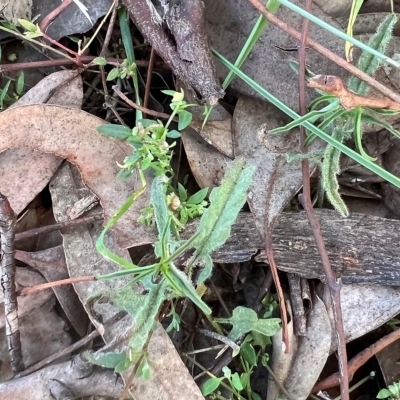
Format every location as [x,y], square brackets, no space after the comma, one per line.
[58,133]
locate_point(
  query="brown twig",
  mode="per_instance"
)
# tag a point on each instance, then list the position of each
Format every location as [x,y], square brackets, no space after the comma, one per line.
[326,53]
[8,220]
[70,349]
[305,199]
[37,288]
[271,259]
[54,63]
[49,18]
[56,227]
[134,105]
[148,80]
[359,360]
[103,52]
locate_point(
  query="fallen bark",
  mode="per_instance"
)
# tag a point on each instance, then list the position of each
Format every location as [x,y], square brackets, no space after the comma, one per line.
[362,248]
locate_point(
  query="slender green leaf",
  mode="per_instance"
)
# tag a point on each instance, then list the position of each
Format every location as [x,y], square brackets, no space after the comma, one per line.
[369,62]
[236,382]
[20,83]
[4,93]
[248,353]
[372,120]
[157,200]
[182,192]
[107,360]
[29,26]
[358,134]
[198,197]
[225,204]
[113,74]
[355,8]
[115,131]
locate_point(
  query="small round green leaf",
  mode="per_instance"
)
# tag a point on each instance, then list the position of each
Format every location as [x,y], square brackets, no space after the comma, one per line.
[100,61]
[210,386]
[185,118]
[384,394]
[115,131]
[174,134]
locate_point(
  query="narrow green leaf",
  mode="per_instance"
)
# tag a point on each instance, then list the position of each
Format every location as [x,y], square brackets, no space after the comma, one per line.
[248,353]
[198,197]
[20,83]
[225,204]
[29,26]
[368,62]
[355,8]
[372,120]
[157,200]
[182,192]
[114,131]
[113,74]
[358,134]
[210,386]
[4,93]
[126,34]
[236,382]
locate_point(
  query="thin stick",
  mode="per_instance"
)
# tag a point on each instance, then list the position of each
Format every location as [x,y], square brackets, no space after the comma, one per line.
[37,288]
[272,265]
[305,199]
[359,360]
[143,109]
[148,80]
[70,349]
[56,227]
[8,220]
[325,52]
[49,18]
[62,62]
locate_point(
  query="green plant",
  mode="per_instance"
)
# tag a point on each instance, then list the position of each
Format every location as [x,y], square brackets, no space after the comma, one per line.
[392,392]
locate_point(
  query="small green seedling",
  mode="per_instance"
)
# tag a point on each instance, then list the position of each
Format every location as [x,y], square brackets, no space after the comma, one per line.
[391,393]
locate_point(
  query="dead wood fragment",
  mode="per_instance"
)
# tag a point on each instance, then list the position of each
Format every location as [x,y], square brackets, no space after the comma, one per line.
[296,300]
[8,220]
[190,58]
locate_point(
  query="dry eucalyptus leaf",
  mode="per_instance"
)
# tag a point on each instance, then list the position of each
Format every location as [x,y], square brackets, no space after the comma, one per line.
[29,171]
[309,355]
[52,265]
[206,163]
[100,381]
[43,333]
[275,181]
[71,134]
[217,133]
[364,308]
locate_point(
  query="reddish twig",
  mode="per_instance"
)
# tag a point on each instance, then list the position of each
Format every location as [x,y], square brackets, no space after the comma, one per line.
[325,52]
[56,227]
[38,288]
[270,255]
[67,61]
[8,220]
[359,360]
[148,80]
[143,109]
[305,199]
[49,18]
